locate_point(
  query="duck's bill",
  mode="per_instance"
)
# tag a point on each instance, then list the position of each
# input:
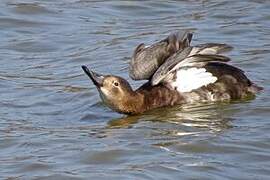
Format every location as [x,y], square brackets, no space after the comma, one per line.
[95,77]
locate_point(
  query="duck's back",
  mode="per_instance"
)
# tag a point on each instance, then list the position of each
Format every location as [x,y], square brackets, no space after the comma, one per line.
[201,74]
[230,83]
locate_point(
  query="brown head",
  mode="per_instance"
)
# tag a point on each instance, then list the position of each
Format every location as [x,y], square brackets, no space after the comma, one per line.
[114,91]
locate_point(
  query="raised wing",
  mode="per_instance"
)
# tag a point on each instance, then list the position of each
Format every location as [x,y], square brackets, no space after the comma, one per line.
[211,48]
[186,59]
[147,59]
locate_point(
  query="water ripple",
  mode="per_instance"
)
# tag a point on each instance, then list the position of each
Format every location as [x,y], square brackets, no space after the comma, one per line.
[53,124]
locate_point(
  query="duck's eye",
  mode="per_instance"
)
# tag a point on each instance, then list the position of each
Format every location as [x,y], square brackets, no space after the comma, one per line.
[116,84]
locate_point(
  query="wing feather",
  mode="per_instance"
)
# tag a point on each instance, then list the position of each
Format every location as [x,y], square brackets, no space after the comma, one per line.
[211,48]
[183,59]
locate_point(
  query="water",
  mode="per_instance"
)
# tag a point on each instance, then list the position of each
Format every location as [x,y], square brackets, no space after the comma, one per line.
[53,125]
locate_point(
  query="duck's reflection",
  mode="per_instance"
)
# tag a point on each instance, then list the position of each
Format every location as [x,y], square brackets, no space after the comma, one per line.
[212,117]
[124,122]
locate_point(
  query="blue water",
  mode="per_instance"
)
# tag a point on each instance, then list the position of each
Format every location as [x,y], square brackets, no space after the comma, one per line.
[54,126]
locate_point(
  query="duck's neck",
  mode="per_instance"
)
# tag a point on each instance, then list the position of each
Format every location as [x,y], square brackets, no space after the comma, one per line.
[133,104]
[149,97]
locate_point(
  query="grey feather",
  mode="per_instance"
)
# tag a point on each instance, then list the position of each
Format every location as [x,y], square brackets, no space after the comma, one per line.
[183,59]
[146,60]
[211,48]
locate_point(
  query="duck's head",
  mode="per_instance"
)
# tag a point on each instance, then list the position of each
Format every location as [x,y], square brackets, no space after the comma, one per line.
[114,91]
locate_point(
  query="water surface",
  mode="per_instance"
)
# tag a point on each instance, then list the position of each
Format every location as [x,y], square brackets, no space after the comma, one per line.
[53,125]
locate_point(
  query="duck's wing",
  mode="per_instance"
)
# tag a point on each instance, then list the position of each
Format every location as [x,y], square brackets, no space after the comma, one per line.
[147,59]
[214,80]
[187,66]
[178,40]
[211,48]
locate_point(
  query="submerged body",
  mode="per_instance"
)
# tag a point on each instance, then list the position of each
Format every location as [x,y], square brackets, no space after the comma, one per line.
[116,93]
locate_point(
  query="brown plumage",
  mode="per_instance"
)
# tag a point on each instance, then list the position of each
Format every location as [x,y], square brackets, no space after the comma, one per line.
[117,94]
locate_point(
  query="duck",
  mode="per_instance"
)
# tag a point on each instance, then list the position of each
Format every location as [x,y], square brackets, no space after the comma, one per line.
[190,74]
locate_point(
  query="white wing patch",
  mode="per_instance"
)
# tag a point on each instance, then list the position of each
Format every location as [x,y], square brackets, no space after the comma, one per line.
[192,78]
